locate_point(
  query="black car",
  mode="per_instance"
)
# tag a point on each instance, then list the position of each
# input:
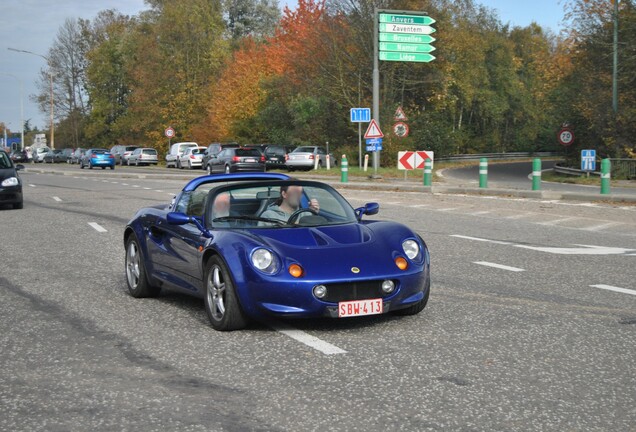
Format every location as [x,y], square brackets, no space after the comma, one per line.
[237,159]
[275,155]
[213,150]
[54,156]
[19,156]
[10,183]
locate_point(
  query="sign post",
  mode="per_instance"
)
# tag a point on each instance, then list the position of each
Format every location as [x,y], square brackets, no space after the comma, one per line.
[360,115]
[169,133]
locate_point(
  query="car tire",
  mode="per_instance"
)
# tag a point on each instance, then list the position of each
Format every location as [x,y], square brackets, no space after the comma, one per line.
[209,169]
[103,168]
[90,165]
[112,167]
[81,164]
[189,165]
[221,302]
[227,169]
[136,277]
[417,307]
[18,206]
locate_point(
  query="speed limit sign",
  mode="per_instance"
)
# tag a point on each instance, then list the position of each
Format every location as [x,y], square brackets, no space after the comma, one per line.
[566,137]
[169,132]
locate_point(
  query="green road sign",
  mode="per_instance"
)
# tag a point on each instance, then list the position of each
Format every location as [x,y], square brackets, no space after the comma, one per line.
[402,47]
[406,19]
[406,38]
[405,57]
[406,28]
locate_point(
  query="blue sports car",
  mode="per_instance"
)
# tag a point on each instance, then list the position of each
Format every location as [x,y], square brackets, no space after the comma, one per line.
[258,245]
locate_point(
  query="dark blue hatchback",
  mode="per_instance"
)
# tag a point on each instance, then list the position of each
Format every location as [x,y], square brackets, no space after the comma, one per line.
[97,157]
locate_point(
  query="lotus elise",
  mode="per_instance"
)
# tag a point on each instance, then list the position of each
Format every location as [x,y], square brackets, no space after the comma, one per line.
[259,245]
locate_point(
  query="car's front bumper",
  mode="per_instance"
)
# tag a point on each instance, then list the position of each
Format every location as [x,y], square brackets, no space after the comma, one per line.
[296,299]
[10,195]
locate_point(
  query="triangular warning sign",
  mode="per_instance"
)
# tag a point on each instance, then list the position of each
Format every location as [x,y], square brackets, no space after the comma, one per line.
[399,114]
[373,131]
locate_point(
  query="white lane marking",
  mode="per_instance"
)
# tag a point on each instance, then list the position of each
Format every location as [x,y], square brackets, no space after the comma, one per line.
[97,227]
[124,184]
[147,188]
[480,239]
[158,191]
[135,185]
[498,266]
[170,193]
[581,250]
[419,206]
[58,199]
[32,185]
[480,213]
[307,339]
[447,209]
[556,221]
[613,288]
[601,226]
[105,181]
[519,216]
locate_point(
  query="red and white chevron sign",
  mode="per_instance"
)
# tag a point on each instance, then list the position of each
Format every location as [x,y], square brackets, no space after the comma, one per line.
[409,160]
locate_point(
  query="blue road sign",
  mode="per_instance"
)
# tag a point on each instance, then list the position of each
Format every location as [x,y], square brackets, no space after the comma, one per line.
[588,160]
[374,144]
[360,115]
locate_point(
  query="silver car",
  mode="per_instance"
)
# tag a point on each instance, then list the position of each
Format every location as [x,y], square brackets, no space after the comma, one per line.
[306,157]
[143,156]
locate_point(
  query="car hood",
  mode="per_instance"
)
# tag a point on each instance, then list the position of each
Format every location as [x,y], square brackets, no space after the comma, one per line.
[312,237]
[7,172]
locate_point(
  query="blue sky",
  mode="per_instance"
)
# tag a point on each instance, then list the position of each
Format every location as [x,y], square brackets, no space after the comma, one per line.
[32,25]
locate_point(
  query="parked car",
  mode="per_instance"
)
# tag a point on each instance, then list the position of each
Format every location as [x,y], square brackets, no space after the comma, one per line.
[97,157]
[213,150]
[38,154]
[54,156]
[305,158]
[192,157]
[237,159]
[143,156]
[275,155]
[215,243]
[121,152]
[176,150]
[10,182]
[19,156]
[67,153]
[77,155]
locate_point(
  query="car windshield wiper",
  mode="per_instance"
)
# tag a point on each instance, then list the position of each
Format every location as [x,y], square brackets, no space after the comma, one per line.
[250,218]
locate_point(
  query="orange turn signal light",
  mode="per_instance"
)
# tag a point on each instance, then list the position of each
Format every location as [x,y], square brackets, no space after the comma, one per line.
[402,263]
[296,270]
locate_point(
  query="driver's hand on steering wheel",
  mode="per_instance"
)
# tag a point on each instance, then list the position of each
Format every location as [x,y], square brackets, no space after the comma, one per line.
[313,204]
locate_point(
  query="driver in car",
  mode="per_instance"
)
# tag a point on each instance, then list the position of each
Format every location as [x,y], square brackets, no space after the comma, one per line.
[288,203]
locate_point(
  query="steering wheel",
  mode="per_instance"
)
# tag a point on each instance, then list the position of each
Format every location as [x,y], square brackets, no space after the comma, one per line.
[294,215]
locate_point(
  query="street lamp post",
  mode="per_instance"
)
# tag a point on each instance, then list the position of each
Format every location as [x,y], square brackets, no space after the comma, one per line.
[21,109]
[52,124]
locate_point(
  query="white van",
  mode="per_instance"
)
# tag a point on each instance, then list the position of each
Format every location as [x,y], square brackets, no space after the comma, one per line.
[176,150]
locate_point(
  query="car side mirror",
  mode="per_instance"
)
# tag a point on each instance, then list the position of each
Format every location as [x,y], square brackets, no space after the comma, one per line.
[178,218]
[19,167]
[368,209]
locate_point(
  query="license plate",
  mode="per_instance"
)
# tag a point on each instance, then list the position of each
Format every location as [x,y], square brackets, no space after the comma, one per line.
[250,160]
[359,308]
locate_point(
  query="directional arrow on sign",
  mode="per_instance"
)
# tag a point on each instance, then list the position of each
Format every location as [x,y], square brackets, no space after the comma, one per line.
[405,160]
[420,158]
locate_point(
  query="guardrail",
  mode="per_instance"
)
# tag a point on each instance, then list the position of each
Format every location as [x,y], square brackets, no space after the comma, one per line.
[494,156]
[573,171]
[624,168]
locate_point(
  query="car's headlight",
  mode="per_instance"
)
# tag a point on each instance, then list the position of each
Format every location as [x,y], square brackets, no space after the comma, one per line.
[411,249]
[11,181]
[264,261]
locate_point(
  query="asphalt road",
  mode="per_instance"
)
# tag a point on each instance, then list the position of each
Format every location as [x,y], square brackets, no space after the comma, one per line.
[515,175]
[526,329]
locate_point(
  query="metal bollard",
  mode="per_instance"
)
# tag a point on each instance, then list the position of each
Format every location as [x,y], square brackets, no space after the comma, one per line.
[428,172]
[366,162]
[344,170]
[606,176]
[536,174]
[328,163]
[483,173]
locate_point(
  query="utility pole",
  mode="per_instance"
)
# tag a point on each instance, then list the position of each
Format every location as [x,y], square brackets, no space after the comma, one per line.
[376,87]
[21,109]
[615,69]
[52,123]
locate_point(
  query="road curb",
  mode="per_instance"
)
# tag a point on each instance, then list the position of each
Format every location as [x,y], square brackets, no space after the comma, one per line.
[383,185]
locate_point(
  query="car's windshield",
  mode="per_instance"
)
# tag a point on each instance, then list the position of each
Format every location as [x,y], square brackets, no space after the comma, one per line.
[275,204]
[150,152]
[5,162]
[304,150]
[278,151]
